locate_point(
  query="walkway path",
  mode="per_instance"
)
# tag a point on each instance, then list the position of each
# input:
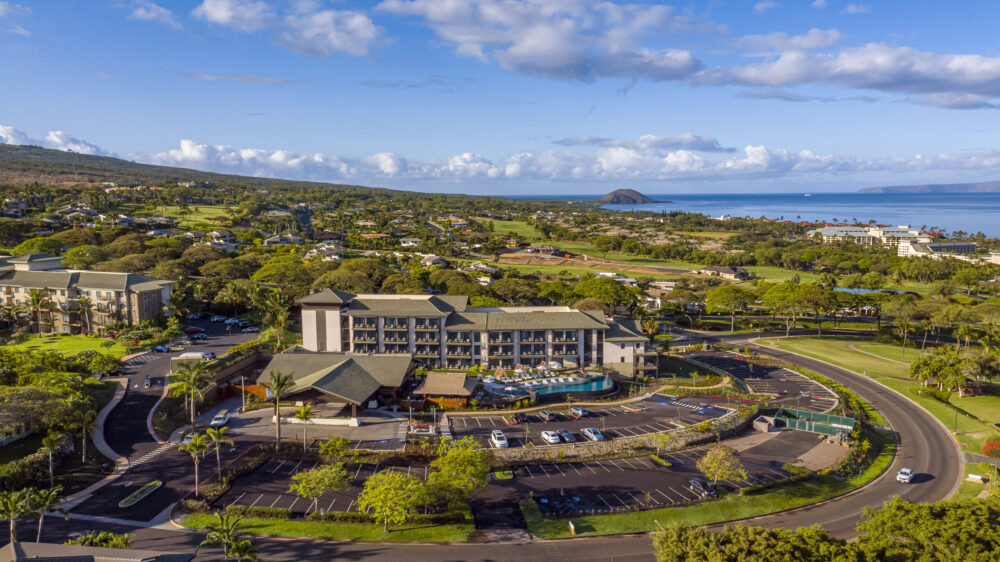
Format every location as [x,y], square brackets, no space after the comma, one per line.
[121,463]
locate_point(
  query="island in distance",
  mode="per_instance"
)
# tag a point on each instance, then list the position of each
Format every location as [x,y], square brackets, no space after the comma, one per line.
[627,197]
[980,187]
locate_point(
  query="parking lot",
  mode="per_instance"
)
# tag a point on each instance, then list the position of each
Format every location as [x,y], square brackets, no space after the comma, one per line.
[793,390]
[267,486]
[652,415]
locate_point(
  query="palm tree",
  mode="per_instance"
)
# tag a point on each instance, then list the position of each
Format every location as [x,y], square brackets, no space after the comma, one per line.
[41,502]
[304,414]
[50,443]
[85,305]
[905,326]
[227,532]
[280,385]
[230,295]
[190,381]
[13,506]
[651,328]
[37,302]
[925,326]
[84,421]
[197,448]
[218,437]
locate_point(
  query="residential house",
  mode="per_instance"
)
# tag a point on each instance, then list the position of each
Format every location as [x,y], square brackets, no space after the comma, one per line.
[410,242]
[732,273]
[326,252]
[431,260]
[282,240]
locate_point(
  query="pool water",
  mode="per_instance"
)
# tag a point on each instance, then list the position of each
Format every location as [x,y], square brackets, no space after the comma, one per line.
[597,383]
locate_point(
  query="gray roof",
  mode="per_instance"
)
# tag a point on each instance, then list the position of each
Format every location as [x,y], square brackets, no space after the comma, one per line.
[542,320]
[71,553]
[31,258]
[351,377]
[326,296]
[446,384]
[402,306]
[104,281]
[466,321]
[625,329]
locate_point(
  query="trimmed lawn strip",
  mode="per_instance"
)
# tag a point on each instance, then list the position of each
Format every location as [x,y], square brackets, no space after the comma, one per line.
[70,345]
[728,508]
[340,531]
[968,489]
[890,352]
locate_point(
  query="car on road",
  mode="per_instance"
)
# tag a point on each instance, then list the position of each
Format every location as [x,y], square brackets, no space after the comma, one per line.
[566,436]
[547,415]
[220,419]
[148,382]
[250,330]
[190,330]
[159,349]
[217,319]
[578,412]
[498,439]
[550,437]
[199,336]
[905,475]
[183,342]
[592,434]
[196,316]
[700,487]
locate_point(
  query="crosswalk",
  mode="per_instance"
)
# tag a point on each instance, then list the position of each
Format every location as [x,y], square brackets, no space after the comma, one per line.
[149,456]
[141,360]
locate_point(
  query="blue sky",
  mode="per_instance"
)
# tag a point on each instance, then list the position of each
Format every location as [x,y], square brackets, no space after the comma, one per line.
[515,96]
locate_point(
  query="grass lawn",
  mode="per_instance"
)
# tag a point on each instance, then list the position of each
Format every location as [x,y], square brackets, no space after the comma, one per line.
[727,508]
[969,489]
[972,432]
[684,369]
[715,235]
[780,274]
[70,344]
[520,228]
[198,216]
[341,531]
[556,270]
[891,352]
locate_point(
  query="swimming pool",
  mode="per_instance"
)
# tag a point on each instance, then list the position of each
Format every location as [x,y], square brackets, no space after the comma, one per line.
[595,384]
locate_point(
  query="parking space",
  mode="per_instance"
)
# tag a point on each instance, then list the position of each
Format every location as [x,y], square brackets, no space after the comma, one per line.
[652,415]
[793,390]
[267,486]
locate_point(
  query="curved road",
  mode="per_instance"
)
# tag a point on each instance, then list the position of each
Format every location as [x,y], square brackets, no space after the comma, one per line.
[924,445]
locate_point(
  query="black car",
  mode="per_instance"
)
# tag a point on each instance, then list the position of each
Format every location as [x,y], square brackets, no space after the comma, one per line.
[520,417]
[701,487]
[198,337]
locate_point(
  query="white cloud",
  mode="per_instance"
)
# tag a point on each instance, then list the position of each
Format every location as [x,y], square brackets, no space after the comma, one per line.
[761,7]
[55,139]
[568,40]
[855,9]
[684,141]
[144,10]
[18,30]
[11,8]
[245,78]
[819,4]
[780,41]
[321,32]
[243,15]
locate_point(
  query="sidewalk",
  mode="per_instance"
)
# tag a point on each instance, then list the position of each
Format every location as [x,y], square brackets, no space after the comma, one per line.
[121,463]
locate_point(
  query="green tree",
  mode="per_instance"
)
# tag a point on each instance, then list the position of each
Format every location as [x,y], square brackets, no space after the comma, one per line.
[38,301]
[84,306]
[651,327]
[227,531]
[737,543]
[103,539]
[461,469]
[50,443]
[334,447]
[189,382]
[784,298]
[84,421]
[721,463]
[13,506]
[218,438]
[728,298]
[311,484]
[304,415]
[392,496]
[197,448]
[41,502]
[278,385]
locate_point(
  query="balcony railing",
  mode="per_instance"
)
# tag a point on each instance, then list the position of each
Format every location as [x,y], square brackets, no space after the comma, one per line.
[501,340]
[396,340]
[459,340]
[364,324]
[388,326]
[502,352]
[426,326]
[365,339]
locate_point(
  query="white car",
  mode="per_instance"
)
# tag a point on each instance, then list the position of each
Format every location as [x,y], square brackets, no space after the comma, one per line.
[550,437]
[592,434]
[188,438]
[220,419]
[905,475]
[250,330]
[498,439]
[232,321]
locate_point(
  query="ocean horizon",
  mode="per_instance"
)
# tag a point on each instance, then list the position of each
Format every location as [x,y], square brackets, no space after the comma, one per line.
[950,212]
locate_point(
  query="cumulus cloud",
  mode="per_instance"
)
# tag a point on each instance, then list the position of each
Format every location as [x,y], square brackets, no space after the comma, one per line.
[7,8]
[855,9]
[560,40]
[780,41]
[144,10]
[55,139]
[322,32]
[245,78]
[819,4]
[242,15]
[684,141]
[761,7]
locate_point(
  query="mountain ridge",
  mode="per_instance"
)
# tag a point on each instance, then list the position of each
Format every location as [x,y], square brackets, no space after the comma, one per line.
[975,187]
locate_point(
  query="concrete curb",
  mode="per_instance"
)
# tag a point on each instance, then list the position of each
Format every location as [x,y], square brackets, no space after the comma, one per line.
[152,411]
[121,463]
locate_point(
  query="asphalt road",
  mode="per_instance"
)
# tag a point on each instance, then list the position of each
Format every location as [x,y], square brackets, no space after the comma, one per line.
[924,445]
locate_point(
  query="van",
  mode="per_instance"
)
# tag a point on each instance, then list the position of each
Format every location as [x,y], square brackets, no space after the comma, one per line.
[203,355]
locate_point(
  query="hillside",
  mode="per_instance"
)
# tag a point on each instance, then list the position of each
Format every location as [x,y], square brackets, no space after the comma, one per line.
[21,165]
[980,187]
[626,197]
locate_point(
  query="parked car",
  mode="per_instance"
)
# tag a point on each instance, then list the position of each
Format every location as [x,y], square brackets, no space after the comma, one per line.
[700,487]
[220,419]
[232,321]
[520,417]
[148,382]
[159,349]
[184,342]
[550,437]
[592,434]
[199,336]
[566,435]
[194,330]
[195,316]
[547,415]
[498,439]
[217,319]
[188,438]
[250,330]
[905,475]
[578,412]
[243,323]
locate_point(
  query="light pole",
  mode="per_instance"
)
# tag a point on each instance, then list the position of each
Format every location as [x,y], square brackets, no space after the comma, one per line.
[243,390]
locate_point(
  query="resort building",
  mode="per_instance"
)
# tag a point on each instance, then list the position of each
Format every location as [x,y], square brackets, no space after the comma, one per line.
[935,249]
[870,235]
[74,301]
[442,331]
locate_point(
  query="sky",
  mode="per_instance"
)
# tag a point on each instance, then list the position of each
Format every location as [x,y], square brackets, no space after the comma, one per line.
[515,97]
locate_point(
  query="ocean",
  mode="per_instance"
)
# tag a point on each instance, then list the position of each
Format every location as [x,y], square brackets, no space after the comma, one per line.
[950,212]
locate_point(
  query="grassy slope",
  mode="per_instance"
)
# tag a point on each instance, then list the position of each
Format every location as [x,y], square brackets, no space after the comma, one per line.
[70,344]
[516,227]
[198,217]
[891,352]
[968,489]
[341,531]
[972,432]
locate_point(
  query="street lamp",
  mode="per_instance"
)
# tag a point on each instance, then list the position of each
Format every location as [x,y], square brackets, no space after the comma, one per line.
[243,390]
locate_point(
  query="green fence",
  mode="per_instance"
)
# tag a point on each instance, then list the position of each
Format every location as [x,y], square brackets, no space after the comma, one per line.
[826,424]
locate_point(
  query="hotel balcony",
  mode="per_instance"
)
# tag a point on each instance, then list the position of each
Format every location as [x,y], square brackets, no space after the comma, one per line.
[366,349]
[459,340]
[397,349]
[396,326]
[427,338]
[364,323]
[502,352]
[395,339]
[365,339]
[427,326]
[565,351]
[427,351]
[501,340]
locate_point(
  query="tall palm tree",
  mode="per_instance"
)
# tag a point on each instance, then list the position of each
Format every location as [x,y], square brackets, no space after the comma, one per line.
[304,414]
[280,385]
[230,295]
[218,437]
[37,302]
[227,532]
[190,381]
[84,422]
[85,305]
[13,506]
[41,502]
[197,448]
[651,327]
[925,326]
[50,443]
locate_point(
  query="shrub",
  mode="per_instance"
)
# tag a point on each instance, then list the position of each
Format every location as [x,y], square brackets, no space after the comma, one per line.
[657,459]
[195,506]
[992,447]
[260,511]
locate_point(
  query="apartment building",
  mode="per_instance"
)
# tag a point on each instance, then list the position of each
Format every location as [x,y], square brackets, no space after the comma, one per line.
[109,297]
[935,249]
[443,331]
[871,235]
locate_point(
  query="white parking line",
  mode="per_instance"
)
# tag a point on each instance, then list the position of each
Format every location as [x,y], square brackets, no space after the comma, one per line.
[683,497]
[616,465]
[588,467]
[619,500]
[543,470]
[530,475]
[277,467]
[626,461]
[574,468]
[349,506]
[559,469]
[360,466]
[664,495]
[257,500]
[331,504]
[295,468]
[605,501]
[492,422]
[295,502]
[599,463]
[477,422]
[275,501]
[357,445]
[237,500]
